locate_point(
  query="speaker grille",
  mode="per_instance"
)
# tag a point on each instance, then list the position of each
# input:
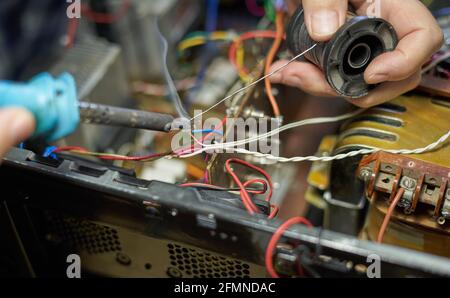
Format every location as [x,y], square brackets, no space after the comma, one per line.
[199,264]
[85,235]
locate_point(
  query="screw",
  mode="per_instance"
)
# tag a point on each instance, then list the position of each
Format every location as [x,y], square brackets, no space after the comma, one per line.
[174,272]
[365,174]
[123,259]
[409,183]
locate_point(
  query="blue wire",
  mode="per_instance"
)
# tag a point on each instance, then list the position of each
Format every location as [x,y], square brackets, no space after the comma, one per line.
[212,11]
[49,152]
[442,12]
[208,131]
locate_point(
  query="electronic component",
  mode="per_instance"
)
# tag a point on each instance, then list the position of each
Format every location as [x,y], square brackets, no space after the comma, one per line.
[346,56]
[111,218]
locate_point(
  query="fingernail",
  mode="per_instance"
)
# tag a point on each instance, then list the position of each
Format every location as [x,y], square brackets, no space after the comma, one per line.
[324,22]
[20,127]
[377,78]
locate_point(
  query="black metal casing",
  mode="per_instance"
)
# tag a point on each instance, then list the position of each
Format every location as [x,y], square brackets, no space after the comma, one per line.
[123,226]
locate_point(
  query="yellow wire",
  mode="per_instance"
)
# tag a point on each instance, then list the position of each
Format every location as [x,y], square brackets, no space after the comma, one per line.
[217,36]
[200,40]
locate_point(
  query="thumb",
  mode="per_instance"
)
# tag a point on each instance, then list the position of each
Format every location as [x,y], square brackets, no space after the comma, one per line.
[15,126]
[324,17]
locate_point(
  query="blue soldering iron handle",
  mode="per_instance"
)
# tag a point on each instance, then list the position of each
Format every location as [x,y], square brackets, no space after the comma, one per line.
[52,101]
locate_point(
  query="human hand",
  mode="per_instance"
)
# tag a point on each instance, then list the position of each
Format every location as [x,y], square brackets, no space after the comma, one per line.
[15,126]
[399,71]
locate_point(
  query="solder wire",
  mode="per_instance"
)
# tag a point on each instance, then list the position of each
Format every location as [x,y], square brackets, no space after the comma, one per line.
[253,83]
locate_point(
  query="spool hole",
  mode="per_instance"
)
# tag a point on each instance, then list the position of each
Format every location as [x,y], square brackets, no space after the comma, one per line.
[359,55]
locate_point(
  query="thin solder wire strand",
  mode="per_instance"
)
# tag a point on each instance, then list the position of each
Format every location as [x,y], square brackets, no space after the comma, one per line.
[253,83]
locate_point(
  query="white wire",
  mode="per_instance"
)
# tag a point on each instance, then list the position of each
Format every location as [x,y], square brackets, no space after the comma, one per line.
[253,83]
[428,148]
[311,121]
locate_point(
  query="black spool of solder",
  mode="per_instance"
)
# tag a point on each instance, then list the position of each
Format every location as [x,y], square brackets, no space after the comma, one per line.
[346,56]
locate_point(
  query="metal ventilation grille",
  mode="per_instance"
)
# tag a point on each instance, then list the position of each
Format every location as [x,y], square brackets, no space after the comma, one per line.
[198,264]
[82,234]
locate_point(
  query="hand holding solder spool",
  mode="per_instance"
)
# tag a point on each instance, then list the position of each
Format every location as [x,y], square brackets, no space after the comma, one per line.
[367,60]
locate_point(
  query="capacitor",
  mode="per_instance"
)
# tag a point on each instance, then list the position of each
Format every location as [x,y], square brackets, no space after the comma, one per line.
[345,57]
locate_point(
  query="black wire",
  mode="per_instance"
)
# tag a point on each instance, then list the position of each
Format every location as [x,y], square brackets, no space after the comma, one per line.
[218,188]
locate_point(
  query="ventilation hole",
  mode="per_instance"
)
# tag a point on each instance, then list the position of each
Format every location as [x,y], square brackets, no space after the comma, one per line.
[369,133]
[442,103]
[203,264]
[83,235]
[378,119]
[391,107]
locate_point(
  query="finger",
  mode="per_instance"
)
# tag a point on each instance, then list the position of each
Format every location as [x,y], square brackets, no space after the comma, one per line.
[302,75]
[420,36]
[323,18]
[15,126]
[292,5]
[387,91]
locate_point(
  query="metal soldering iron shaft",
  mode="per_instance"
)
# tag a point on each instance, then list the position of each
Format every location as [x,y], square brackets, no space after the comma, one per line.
[109,115]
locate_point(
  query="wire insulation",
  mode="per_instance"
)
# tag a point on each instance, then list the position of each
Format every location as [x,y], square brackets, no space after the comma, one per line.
[388,216]
[269,60]
[271,247]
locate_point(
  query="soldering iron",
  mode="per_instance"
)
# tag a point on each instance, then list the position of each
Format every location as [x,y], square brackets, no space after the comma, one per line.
[57,111]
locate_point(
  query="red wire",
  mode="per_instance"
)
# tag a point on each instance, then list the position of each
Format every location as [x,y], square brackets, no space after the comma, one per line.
[275,210]
[388,216]
[69,148]
[246,200]
[192,147]
[71,32]
[276,237]
[106,157]
[105,18]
